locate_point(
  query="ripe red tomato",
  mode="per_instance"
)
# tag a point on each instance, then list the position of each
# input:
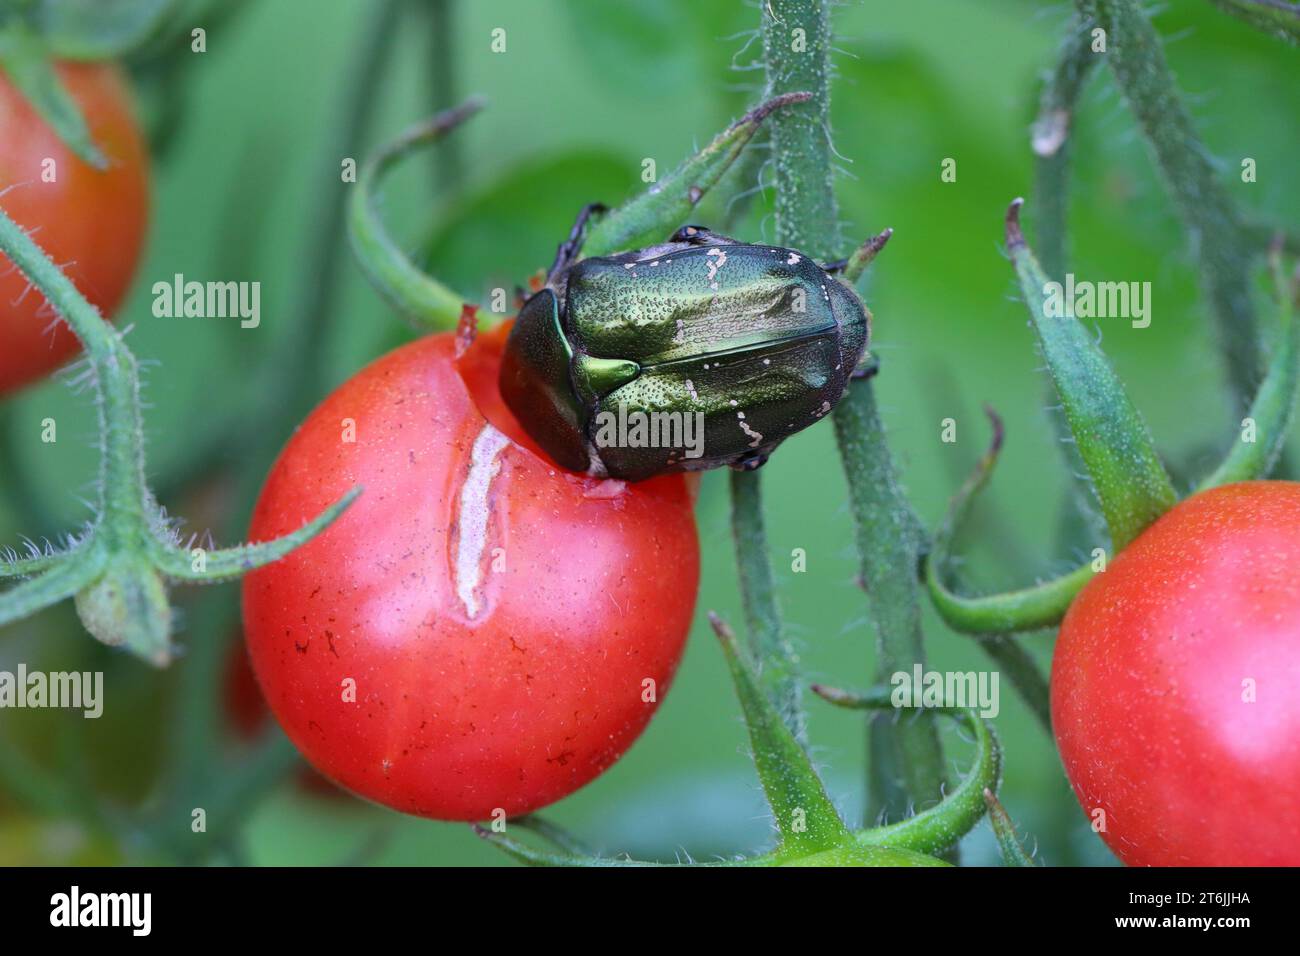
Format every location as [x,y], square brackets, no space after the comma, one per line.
[482,630]
[1174,685]
[91,220]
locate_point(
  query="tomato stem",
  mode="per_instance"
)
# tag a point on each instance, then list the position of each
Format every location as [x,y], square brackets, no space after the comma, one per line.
[429,304]
[115,569]
[939,827]
[767,638]
[1013,852]
[1027,609]
[1220,242]
[651,216]
[1268,420]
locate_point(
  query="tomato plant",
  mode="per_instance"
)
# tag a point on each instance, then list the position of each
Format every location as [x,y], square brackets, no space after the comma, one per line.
[1173,685]
[485,630]
[92,220]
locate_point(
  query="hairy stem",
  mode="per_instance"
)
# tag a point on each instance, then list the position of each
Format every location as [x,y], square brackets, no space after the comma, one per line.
[1051,143]
[907,767]
[796,51]
[1221,242]
[778,673]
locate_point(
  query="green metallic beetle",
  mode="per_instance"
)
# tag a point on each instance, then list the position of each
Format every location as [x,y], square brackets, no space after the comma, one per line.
[697,353]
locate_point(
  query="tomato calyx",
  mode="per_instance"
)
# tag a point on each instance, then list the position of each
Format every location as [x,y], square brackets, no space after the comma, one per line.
[117,569]
[1116,448]
[810,829]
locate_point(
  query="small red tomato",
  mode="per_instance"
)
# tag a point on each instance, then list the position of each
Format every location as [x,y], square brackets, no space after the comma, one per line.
[90,221]
[482,631]
[1174,685]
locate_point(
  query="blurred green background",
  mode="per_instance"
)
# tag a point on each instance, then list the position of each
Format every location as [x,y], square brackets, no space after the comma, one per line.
[584,92]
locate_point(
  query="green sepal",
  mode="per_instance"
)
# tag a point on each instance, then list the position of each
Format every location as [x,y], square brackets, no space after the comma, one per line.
[1026,609]
[860,854]
[1132,486]
[29,66]
[805,817]
[1013,852]
[58,582]
[227,563]
[127,607]
[863,256]
[941,826]
[97,29]
[651,216]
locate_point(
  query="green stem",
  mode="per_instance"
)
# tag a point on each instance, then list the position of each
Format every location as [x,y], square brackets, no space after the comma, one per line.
[450,165]
[1051,144]
[415,294]
[1220,241]
[650,216]
[796,51]
[1013,853]
[1258,449]
[1281,18]
[778,674]
[940,827]
[889,540]
[1027,609]
[124,497]
[1075,63]
[1025,675]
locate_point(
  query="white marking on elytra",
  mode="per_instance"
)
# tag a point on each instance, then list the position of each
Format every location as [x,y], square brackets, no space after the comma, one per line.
[484,464]
[715,265]
[744,427]
[680,335]
[792,260]
[690,390]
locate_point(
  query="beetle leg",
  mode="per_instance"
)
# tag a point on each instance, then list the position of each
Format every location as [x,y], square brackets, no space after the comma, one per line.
[700,236]
[836,267]
[750,462]
[867,368]
[567,253]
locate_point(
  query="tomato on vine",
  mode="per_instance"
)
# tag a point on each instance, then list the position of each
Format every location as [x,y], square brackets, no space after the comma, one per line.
[91,221]
[483,631]
[1174,683]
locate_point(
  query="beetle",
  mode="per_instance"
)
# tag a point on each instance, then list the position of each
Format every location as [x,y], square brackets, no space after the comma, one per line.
[700,352]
